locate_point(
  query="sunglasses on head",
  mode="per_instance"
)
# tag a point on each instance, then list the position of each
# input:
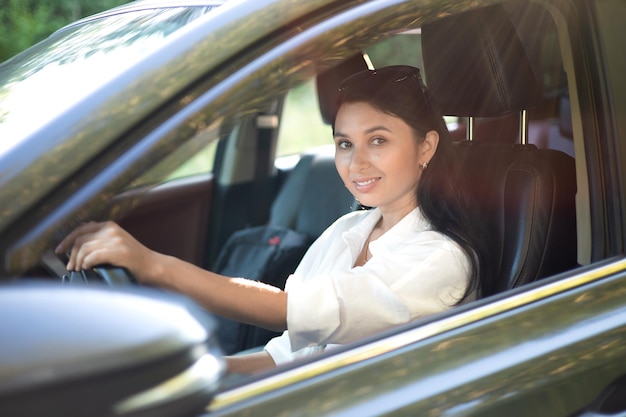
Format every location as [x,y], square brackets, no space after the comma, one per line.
[394,84]
[391,76]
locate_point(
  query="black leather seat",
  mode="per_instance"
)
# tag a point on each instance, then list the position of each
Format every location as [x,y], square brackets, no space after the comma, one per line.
[312,197]
[527,194]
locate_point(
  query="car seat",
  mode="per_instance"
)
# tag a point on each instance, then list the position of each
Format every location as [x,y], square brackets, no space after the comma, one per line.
[526,194]
[312,197]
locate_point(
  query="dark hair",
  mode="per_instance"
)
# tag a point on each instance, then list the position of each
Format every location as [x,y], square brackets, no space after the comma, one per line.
[399,91]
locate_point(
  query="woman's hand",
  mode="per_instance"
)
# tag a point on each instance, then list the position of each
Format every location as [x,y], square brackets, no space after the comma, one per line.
[238,299]
[95,244]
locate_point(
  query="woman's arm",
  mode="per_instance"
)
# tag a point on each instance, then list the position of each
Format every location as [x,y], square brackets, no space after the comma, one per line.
[235,298]
[238,299]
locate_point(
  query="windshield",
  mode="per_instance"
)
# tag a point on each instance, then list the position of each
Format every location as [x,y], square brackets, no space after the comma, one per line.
[77,61]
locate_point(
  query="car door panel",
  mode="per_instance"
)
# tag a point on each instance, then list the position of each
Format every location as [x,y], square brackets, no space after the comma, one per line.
[173,218]
[551,350]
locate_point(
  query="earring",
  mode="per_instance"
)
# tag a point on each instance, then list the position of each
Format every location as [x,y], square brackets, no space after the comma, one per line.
[424,165]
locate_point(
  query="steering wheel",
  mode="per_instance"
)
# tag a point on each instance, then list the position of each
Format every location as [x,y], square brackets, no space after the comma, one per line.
[108,274]
[114,275]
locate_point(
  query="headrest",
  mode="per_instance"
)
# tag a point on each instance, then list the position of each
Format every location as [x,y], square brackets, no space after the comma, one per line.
[475,64]
[328,84]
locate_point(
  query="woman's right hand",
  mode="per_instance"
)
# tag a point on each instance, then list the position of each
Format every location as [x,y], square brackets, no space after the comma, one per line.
[93,244]
[238,299]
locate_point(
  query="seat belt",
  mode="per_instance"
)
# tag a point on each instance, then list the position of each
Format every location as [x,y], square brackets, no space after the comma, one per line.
[266,125]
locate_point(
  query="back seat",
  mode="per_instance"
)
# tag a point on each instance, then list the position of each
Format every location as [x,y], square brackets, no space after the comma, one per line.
[312,197]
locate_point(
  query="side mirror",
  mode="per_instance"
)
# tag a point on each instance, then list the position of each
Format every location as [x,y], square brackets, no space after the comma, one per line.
[98,350]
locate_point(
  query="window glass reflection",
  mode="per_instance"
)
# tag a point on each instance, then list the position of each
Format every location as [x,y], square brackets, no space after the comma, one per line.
[71,64]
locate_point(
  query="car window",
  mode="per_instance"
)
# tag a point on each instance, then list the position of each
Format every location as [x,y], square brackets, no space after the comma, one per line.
[77,61]
[194,157]
[201,163]
[405,48]
[301,125]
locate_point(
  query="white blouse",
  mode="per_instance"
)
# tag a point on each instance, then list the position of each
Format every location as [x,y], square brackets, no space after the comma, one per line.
[413,272]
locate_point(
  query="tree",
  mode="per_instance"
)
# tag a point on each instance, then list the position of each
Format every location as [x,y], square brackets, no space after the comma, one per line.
[26,22]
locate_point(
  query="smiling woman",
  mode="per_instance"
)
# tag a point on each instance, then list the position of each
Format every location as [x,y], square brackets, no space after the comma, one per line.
[370,270]
[410,137]
[379,158]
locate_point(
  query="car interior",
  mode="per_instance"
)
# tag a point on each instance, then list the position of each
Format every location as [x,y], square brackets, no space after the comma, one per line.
[509,106]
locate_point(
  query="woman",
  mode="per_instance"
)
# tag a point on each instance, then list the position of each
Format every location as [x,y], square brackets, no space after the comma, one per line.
[416,253]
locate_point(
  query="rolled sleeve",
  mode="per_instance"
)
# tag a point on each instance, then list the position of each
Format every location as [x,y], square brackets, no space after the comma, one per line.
[279,349]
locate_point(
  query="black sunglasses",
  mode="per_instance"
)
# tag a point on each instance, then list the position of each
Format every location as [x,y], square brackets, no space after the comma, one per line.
[391,76]
[385,82]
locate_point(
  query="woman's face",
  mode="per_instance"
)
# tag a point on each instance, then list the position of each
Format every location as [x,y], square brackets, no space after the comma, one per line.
[378,157]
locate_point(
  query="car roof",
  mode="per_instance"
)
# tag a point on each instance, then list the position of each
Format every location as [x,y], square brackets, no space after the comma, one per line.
[145,5]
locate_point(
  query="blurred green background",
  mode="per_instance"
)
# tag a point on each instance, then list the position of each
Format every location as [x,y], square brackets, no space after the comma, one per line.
[26,22]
